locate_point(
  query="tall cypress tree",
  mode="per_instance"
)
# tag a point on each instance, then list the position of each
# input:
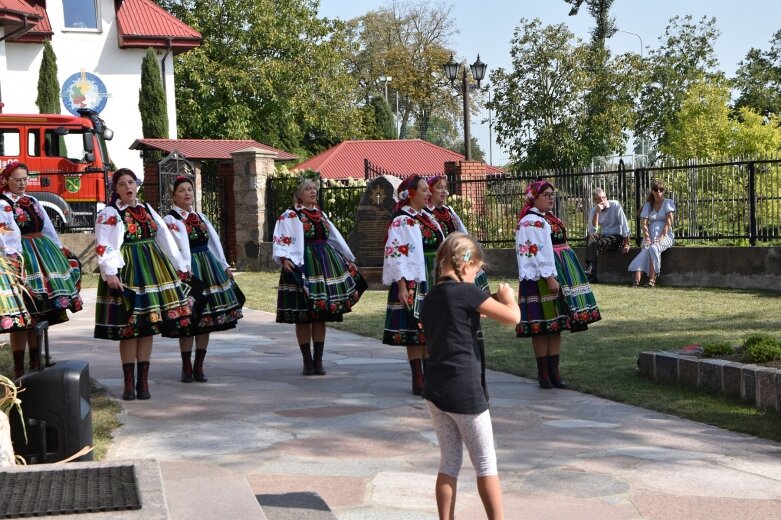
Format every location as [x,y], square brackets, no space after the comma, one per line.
[48,100]
[151,99]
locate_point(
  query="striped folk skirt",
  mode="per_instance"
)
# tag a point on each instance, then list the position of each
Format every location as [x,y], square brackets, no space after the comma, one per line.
[50,280]
[543,312]
[323,290]
[154,299]
[13,311]
[218,308]
[402,322]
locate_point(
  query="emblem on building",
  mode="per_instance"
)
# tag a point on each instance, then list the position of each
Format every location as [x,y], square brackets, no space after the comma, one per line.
[84,90]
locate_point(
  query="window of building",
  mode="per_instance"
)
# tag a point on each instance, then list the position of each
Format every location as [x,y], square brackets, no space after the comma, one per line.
[81,14]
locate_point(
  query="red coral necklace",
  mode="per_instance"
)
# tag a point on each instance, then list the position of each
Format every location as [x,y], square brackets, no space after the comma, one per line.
[312,214]
[138,213]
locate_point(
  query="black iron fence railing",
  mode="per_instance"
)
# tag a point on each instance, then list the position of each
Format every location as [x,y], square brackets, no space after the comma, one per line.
[728,203]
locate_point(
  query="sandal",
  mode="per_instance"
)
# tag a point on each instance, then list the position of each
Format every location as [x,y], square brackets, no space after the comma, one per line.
[635,284]
[651,283]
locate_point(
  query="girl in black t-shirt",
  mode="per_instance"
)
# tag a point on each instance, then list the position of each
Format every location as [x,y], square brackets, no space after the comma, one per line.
[455,374]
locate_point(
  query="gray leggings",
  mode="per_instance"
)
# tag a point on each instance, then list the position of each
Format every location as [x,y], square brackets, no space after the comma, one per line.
[456,429]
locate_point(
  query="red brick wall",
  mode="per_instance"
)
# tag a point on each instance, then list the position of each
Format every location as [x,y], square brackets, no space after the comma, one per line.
[225,171]
[151,185]
[468,176]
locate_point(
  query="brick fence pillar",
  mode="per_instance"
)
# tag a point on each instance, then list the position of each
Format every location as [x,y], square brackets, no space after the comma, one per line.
[251,167]
[469,180]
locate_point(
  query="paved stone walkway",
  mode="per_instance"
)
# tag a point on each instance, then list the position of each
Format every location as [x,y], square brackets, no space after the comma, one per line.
[358,441]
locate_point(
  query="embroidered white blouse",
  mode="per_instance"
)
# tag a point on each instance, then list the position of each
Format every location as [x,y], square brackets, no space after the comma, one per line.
[459,224]
[404,249]
[10,235]
[289,238]
[110,235]
[178,230]
[48,228]
[534,248]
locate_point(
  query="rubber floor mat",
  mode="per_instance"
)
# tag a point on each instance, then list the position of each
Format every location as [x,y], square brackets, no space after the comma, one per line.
[68,491]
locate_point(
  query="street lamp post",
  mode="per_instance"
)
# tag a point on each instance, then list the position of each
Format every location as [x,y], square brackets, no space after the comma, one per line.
[386,80]
[478,72]
[642,141]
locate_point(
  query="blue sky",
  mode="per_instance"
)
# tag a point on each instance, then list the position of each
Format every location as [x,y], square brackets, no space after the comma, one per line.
[486,26]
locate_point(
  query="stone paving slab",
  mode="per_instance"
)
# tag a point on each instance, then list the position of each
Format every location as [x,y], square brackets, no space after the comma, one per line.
[357,439]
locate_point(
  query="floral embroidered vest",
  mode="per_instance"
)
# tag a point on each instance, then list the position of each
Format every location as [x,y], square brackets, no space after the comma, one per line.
[197,232]
[314,225]
[139,223]
[444,218]
[558,234]
[25,214]
[432,235]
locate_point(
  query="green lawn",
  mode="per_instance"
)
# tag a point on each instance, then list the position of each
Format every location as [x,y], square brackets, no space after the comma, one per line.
[603,360]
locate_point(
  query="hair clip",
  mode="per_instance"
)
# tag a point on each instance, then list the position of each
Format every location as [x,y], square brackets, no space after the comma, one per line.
[468,255]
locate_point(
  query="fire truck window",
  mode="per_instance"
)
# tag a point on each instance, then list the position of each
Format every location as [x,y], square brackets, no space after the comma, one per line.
[10,144]
[80,14]
[33,143]
[70,146]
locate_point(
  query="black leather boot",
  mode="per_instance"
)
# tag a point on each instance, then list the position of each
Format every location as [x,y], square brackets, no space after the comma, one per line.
[198,375]
[35,359]
[543,375]
[553,371]
[417,376]
[129,392]
[142,380]
[317,359]
[306,354]
[187,367]
[18,363]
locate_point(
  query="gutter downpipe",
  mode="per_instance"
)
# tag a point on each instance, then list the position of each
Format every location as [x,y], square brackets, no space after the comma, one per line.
[162,62]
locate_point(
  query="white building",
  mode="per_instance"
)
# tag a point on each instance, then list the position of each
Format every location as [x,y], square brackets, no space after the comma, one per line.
[99,44]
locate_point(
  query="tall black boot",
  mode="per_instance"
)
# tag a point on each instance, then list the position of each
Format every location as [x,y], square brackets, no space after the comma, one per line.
[543,375]
[306,354]
[35,359]
[18,363]
[417,376]
[187,367]
[317,359]
[553,371]
[198,375]
[142,380]
[127,370]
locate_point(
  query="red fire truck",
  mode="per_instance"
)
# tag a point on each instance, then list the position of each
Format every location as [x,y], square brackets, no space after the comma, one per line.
[68,161]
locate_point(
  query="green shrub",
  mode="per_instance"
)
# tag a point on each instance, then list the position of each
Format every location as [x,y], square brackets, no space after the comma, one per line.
[716,349]
[753,339]
[764,351]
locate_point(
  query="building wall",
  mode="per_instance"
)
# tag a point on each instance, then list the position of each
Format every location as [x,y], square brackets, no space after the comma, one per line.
[99,54]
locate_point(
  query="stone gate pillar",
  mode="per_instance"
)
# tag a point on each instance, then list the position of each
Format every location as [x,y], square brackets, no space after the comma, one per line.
[251,167]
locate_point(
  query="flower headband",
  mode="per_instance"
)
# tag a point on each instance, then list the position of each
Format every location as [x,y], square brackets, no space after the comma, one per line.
[179,180]
[534,189]
[432,181]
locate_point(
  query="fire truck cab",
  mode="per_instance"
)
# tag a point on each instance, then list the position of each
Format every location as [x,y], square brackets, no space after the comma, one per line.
[68,162]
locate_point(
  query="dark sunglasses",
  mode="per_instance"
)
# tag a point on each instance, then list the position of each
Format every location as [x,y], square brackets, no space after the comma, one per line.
[658,190]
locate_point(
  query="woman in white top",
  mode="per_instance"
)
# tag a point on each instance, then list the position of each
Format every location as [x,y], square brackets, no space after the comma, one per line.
[657,214]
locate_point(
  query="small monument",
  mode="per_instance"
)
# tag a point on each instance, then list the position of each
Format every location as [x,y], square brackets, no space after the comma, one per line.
[367,240]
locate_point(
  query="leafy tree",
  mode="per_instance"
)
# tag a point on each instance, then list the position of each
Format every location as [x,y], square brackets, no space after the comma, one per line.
[758,79]
[151,99]
[477,153]
[269,70]
[48,99]
[684,57]
[409,42]
[538,104]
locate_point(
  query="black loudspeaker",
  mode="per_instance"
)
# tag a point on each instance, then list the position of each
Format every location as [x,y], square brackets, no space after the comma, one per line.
[57,413]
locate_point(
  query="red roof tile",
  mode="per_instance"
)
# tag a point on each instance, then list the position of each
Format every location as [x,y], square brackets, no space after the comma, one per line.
[403,157]
[12,13]
[142,23]
[42,30]
[207,148]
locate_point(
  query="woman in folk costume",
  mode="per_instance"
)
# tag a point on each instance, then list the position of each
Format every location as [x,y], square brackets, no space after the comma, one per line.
[448,219]
[554,294]
[408,268]
[50,280]
[319,282]
[199,244]
[13,311]
[140,292]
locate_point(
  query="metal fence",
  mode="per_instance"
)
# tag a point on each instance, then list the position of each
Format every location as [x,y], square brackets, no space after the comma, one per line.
[730,203]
